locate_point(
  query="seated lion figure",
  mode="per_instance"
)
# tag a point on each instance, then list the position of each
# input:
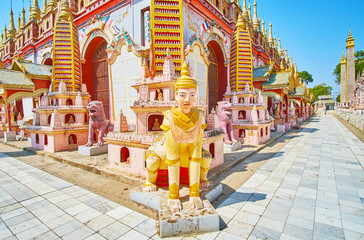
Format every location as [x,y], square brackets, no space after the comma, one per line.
[225,121]
[97,121]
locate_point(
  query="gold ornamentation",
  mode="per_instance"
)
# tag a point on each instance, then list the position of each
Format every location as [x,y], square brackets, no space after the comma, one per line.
[172,162]
[174,191]
[185,81]
[195,190]
[185,121]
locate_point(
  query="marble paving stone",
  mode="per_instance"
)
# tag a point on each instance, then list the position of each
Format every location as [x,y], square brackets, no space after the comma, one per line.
[298,232]
[114,230]
[133,219]
[353,235]
[224,235]
[59,221]
[247,217]
[87,215]
[301,222]
[100,222]
[50,235]
[5,233]
[132,234]
[329,231]
[148,227]
[119,212]
[80,233]
[32,232]
[273,224]
[13,213]
[95,236]
[328,220]
[18,219]
[265,233]
[67,227]
[24,225]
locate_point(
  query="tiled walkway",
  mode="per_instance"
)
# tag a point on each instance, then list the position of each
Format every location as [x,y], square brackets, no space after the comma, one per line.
[312,189]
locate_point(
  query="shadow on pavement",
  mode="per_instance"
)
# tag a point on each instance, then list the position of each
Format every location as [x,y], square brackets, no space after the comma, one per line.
[17,154]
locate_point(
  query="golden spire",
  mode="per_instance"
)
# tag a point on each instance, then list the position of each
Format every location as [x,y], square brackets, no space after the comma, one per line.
[22,25]
[270,38]
[350,40]
[281,66]
[44,8]
[263,27]
[51,5]
[256,23]
[343,59]
[250,14]
[6,33]
[65,12]
[280,50]
[185,81]
[240,24]
[287,58]
[35,11]
[12,29]
[30,9]
[19,23]
[274,42]
[245,12]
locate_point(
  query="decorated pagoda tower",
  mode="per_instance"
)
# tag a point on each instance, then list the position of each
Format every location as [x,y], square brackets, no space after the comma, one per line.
[60,122]
[251,121]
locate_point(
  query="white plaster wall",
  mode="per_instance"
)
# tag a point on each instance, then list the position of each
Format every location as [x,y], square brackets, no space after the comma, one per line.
[27,108]
[199,71]
[125,72]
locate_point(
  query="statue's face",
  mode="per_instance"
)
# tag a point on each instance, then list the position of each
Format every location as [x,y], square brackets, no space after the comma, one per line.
[185,98]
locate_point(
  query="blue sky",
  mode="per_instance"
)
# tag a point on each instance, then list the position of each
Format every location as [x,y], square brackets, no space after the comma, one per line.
[313,31]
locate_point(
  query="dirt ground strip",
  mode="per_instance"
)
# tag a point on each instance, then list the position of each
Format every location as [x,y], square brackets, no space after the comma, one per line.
[117,190]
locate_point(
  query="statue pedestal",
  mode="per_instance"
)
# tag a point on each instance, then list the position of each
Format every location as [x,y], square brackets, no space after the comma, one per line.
[186,221]
[9,136]
[232,147]
[93,150]
[281,128]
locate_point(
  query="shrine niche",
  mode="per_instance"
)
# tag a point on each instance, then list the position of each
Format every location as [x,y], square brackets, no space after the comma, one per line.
[159,94]
[242,115]
[241,133]
[212,149]
[45,140]
[124,155]
[37,138]
[69,118]
[49,119]
[154,122]
[72,139]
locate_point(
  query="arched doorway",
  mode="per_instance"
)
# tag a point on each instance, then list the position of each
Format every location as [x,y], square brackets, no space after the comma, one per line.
[217,80]
[95,72]
[48,62]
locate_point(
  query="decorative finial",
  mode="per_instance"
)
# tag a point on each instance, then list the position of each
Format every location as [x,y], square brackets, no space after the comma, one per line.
[240,24]
[185,81]
[256,22]
[245,12]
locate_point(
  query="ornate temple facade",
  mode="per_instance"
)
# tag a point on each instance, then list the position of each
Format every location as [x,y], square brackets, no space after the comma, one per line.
[104,44]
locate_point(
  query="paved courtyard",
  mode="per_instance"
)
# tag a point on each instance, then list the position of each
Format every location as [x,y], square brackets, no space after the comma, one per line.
[313,188]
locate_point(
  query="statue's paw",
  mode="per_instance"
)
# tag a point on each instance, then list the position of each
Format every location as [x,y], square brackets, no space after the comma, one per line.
[99,144]
[195,203]
[228,142]
[204,183]
[174,205]
[149,187]
[89,144]
[234,140]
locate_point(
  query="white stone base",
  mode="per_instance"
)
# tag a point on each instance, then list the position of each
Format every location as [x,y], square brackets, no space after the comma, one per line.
[288,126]
[93,150]
[188,221]
[281,128]
[232,147]
[9,136]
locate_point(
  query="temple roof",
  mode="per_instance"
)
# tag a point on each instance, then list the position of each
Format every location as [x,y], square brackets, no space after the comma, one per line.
[278,79]
[10,77]
[261,72]
[33,68]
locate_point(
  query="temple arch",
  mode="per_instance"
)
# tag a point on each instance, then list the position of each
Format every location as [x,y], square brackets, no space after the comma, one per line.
[217,74]
[95,72]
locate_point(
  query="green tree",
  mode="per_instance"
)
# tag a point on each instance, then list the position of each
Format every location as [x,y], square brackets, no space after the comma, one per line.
[338,98]
[359,66]
[319,90]
[305,76]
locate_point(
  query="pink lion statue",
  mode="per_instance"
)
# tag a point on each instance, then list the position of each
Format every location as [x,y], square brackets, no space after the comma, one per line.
[225,122]
[97,121]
